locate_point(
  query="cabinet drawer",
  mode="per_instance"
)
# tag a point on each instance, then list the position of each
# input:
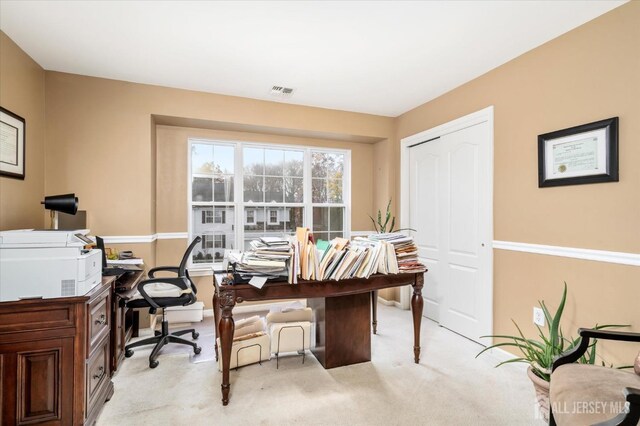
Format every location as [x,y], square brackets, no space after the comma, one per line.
[99,317]
[97,374]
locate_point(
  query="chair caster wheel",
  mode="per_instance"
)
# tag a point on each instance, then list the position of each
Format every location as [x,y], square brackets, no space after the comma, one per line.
[195,335]
[153,364]
[197,350]
[128,353]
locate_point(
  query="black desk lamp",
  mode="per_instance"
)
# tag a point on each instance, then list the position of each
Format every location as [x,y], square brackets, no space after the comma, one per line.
[66,203]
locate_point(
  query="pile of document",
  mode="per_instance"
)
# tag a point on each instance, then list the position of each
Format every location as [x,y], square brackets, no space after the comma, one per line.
[268,258]
[405,249]
[300,257]
[342,259]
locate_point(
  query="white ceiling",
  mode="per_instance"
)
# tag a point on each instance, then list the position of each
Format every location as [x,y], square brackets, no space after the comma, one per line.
[367,56]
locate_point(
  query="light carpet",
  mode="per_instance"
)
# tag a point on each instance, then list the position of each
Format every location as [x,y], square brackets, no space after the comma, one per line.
[448,387]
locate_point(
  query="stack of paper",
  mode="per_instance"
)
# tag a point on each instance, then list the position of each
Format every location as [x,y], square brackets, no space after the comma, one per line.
[263,262]
[249,328]
[405,249]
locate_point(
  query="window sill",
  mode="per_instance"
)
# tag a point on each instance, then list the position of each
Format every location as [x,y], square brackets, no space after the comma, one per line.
[201,271]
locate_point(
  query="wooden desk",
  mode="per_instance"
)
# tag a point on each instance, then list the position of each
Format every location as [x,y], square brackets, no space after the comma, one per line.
[334,297]
[54,358]
[125,320]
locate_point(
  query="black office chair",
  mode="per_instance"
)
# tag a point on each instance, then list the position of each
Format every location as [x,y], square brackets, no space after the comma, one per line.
[160,293]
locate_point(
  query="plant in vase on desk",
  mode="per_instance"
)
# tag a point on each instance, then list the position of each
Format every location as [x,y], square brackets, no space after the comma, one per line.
[540,354]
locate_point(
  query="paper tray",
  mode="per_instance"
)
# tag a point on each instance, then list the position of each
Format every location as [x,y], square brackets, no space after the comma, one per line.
[247,351]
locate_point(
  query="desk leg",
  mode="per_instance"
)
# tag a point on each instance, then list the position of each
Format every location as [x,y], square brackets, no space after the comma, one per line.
[216,319]
[416,309]
[374,310]
[225,331]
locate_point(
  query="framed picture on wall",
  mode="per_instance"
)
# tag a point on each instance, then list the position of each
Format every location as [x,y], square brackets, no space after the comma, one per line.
[579,155]
[12,136]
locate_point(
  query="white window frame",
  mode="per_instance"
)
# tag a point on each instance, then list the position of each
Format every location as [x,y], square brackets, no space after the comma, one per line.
[272,222]
[253,222]
[223,241]
[208,218]
[238,193]
[222,217]
[205,242]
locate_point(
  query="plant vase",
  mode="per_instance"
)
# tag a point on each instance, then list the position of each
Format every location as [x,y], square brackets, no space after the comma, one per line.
[541,387]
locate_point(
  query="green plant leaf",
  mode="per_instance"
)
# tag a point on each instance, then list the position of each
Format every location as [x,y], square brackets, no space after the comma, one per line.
[555,325]
[509,361]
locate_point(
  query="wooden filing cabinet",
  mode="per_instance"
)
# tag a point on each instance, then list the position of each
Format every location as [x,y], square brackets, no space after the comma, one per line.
[55,358]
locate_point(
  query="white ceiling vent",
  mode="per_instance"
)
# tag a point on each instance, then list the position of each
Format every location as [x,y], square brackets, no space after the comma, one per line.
[281,91]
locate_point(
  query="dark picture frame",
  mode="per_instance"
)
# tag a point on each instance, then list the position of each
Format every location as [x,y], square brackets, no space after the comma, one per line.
[579,155]
[13,130]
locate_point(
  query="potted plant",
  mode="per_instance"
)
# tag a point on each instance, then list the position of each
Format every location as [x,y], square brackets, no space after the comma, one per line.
[381,227]
[540,353]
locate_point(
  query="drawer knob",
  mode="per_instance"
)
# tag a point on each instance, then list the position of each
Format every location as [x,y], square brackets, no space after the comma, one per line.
[99,376]
[102,320]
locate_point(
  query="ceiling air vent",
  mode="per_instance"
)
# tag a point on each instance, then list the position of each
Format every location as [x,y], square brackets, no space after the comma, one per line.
[281,91]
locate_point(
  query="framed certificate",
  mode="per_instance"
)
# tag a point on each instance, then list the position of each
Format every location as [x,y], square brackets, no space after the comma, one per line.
[12,131]
[578,155]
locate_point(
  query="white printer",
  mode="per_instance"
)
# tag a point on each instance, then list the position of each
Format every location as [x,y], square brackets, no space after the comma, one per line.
[44,264]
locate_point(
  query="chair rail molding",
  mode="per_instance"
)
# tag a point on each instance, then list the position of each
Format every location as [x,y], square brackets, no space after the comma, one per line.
[133,239]
[620,258]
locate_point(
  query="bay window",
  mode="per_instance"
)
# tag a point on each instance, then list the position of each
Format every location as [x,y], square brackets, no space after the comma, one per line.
[276,188]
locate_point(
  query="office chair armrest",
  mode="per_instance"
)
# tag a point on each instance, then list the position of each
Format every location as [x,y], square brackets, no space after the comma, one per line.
[181,283]
[152,271]
[586,334]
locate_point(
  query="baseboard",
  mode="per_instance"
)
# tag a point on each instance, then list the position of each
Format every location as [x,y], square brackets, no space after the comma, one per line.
[207,313]
[500,355]
[389,302]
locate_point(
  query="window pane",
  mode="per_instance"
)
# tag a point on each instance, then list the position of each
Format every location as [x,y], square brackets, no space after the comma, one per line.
[253,159]
[273,189]
[336,219]
[275,219]
[320,219]
[201,158]
[334,190]
[293,163]
[253,189]
[253,220]
[202,189]
[223,159]
[274,160]
[293,218]
[293,190]
[319,190]
[335,165]
[318,164]
[333,235]
[216,235]
[223,188]
[321,236]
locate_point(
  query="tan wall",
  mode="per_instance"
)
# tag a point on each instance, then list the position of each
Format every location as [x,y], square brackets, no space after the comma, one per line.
[588,74]
[101,141]
[22,92]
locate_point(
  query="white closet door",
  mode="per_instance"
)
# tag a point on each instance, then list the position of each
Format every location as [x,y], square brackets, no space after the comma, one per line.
[450,209]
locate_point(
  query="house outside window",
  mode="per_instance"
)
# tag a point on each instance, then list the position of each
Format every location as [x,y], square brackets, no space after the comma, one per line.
[207,216]
[273,217]
[219,241]
[250,216]
[220,216]
[275,189]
